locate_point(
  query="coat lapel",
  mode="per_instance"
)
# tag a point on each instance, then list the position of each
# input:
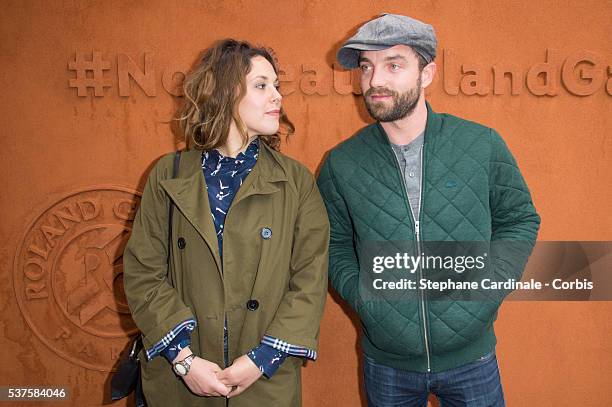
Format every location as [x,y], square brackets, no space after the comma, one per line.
[188,191]
[267,171]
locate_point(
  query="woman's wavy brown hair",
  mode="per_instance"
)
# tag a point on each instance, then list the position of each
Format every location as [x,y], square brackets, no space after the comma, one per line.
[213,90]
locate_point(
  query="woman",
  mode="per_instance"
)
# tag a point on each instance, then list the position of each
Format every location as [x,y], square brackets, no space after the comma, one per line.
[247,280]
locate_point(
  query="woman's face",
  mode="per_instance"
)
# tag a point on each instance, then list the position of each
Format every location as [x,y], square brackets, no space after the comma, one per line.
[259,109]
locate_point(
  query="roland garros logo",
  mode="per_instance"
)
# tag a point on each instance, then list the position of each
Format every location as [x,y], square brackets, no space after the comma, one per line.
[68,275]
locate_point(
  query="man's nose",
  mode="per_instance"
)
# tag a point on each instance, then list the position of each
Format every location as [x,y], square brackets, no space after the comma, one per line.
[377,79]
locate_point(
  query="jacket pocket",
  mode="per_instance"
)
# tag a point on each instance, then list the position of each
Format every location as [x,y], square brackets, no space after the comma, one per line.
[392,327]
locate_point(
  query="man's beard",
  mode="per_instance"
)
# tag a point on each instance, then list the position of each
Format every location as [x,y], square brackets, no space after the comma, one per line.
[403,104]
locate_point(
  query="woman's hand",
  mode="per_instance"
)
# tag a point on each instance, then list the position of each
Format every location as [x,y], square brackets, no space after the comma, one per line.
[202,379]
[240,375]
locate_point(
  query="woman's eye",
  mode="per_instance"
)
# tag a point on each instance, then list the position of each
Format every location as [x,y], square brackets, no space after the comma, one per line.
[260,85]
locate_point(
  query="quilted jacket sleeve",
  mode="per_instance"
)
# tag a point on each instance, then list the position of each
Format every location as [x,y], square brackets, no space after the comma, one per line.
[156,306]
[514,220]
[343,263]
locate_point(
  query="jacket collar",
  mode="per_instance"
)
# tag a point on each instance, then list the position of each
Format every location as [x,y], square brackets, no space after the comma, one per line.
[189,194]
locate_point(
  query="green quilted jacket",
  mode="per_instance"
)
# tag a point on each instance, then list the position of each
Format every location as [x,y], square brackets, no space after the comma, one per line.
[472,190]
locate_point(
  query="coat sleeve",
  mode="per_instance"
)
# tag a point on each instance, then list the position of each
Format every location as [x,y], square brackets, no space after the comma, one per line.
[155,305]
[514,220]
[343,263]
[298,316]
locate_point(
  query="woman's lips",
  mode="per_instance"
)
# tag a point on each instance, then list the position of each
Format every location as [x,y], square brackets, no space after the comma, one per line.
[275,113]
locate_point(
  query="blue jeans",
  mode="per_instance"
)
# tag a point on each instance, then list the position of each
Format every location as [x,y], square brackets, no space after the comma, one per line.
[476,384]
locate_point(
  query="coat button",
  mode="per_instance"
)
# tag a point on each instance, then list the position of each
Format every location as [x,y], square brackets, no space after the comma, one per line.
[181,243]
[252,305]
[266,233]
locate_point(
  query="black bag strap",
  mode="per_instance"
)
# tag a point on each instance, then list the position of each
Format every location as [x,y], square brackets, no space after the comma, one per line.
[127,378]
[175,170]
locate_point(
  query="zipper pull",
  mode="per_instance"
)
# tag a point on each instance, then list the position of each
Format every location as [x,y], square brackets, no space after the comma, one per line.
[416,227]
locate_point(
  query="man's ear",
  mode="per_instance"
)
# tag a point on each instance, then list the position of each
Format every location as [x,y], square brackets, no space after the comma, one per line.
[427,74]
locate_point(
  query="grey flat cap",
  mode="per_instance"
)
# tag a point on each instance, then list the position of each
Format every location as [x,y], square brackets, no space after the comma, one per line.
[386,31]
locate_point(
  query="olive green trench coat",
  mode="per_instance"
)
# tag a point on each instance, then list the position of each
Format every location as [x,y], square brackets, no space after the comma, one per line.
[286,273]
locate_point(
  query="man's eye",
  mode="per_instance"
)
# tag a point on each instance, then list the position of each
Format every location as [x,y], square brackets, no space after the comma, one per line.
[395,67]
[364,68]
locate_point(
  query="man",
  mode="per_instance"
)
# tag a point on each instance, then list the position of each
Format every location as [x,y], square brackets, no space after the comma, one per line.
[416,175]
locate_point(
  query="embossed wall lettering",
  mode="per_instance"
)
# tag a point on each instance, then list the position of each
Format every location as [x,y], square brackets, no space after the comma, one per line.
[172,79]
[68,275]
[506,72]
[583,73]
[89,74]
[542,77]
[127,68]
[580,73]
[318,79]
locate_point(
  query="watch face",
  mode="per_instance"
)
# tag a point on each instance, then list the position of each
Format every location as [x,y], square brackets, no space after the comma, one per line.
[180,369]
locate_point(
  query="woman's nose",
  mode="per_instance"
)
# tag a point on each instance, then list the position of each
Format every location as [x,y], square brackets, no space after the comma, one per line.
[276,96]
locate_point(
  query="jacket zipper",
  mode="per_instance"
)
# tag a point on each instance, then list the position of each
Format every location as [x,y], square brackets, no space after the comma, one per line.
[417,234]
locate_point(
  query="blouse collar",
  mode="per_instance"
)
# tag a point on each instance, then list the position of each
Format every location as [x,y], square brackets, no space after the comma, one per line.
[212,159]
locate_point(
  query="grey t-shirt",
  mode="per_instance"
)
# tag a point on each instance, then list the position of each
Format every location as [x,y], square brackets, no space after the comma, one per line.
[409,159]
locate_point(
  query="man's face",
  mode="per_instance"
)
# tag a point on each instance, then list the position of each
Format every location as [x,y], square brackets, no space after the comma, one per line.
[391,82]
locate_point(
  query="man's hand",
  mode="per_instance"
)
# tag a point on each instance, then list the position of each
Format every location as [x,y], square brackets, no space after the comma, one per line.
[240,375]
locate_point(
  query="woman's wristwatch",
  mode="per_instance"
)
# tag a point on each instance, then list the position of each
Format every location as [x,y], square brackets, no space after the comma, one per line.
[181,367]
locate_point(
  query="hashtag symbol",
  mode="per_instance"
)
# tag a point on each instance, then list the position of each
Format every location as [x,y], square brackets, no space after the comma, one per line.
[96,67]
